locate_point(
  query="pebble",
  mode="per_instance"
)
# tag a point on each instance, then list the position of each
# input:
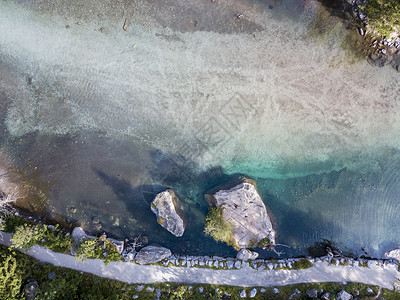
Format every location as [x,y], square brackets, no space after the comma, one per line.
[263,290]
[238,264]
[242,294]
[343,295]
[296,293]
[369,290]
[149,289]
[135,296]
[326,296]
[139,288]
[312,293]
[253,293]
[201,289]
[276,291]
[158,294]
[229,264]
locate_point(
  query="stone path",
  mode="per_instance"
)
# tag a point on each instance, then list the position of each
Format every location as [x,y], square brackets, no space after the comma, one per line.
[133,273]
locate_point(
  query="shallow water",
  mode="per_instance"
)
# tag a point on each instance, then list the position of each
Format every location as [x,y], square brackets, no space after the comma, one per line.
[190,95]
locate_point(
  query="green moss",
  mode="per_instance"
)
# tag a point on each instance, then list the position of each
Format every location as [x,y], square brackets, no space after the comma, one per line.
[383,15]
[160,220]
[265,242]
[217,228]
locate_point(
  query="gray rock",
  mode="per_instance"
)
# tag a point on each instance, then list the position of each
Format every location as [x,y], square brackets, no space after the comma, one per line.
[216,263]
[78,234]
[326,296]
[312,293]
[229,264]
[158,294]
[393,254]
[152,254]
[343,295]
[163,206]
[149,289]
[253,293]
[262,290]
[242,294]
[118,245]
[244,209]
[139,288]
[135,296]
[31,289]
[295,295]
[201,289]
[369,290]
[276,291]
[129,256]
[246,254]
[238,264]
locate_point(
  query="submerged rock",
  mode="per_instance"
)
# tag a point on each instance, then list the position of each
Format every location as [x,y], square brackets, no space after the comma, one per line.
[164,206]
[245,254]
[152,254]
[244,209]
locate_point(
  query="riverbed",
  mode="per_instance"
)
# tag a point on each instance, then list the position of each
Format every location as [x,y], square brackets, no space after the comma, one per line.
[107,103]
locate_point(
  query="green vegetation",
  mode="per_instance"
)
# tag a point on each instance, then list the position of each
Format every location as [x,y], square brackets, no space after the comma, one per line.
[383,15]
[97,248]
[217,228]
[265,242]
[16,269]
[301,264]
[27,235]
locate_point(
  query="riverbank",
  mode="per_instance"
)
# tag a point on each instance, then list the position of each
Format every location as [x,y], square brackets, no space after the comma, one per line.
[383,275]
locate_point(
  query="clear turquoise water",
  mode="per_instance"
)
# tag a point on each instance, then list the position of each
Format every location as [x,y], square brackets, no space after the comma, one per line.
[194,98]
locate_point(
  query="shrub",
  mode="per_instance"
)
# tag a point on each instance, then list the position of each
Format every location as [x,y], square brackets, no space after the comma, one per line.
[301,264]
[93,248]
[10,276]
[217,228]
[27,235]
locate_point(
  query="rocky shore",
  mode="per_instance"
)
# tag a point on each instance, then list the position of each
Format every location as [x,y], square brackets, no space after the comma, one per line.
[378,49]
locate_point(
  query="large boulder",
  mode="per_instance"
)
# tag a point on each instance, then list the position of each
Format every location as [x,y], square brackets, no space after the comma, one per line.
[164,206]
[244,209]
[152,254]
